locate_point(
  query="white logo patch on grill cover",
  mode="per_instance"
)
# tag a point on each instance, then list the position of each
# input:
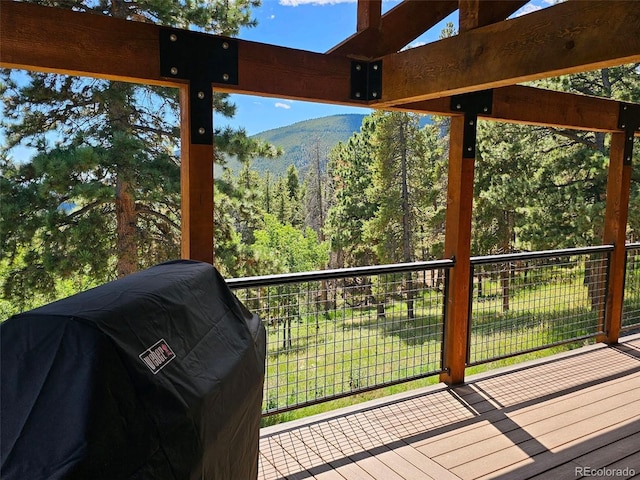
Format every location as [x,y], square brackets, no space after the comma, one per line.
[158,356]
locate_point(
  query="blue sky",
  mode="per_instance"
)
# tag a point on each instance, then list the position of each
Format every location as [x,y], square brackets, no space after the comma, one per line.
[313,25]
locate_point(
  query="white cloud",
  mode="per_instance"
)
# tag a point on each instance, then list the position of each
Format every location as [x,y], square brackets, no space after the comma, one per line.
[535,6]
[528,8]
[295,3]
[415,45]
[286,106]
[271,17]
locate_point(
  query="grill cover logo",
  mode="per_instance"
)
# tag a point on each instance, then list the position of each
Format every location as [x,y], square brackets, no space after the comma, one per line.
[158,356]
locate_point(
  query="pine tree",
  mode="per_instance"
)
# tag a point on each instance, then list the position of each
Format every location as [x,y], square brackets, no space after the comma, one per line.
[397,187]
[104,183]
[316,189]
[351,175]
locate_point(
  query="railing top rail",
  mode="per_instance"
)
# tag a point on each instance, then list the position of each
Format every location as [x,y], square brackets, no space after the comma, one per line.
[507,257]
[632,246]
[284,278]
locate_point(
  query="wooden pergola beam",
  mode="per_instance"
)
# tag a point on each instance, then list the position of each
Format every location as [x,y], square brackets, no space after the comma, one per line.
[369,14]
[566,38]
[478,13]
[399,26]
[48,39]
[537,106]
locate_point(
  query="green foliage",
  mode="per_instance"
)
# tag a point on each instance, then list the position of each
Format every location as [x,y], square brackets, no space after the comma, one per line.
[349,167]
[287,249]
[541,188]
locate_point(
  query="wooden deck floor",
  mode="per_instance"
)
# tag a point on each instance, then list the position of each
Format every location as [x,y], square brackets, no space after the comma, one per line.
[549,419]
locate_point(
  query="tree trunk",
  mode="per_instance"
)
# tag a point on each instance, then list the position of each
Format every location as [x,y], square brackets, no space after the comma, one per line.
[505,273]
[126,229]
[406,220]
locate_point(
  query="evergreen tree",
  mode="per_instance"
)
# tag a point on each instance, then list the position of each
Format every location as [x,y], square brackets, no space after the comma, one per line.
[112,174]
[572,167]
[316,189]
[398,187]
[544,188]
[351,176]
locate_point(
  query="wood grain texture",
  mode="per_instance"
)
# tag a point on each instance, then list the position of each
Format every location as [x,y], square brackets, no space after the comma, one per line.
[196,186]
[615,232]
[398,27]
[50,39]
[566,38]
[478,13]
[457,244]
[34,37]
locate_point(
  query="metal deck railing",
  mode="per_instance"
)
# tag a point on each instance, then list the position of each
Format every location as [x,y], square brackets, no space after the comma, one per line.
[336,333]
[631,305]
[524,302]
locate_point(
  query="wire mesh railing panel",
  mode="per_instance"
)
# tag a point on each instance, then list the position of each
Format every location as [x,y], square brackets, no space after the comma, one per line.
[338,336]
[524,302]
[631,305]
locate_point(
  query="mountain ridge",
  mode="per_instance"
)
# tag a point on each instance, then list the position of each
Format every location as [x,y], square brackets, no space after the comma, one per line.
[300,140]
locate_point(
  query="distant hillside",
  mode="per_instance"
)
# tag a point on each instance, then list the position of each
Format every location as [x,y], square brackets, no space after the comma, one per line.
[299,139]
[295,140]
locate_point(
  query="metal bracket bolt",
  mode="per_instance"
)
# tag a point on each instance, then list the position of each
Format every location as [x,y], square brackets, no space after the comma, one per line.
[629,121]
[472,105]
[202,60]
[366,80]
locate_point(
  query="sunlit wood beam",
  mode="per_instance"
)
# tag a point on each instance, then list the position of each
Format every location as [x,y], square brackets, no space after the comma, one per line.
[47,39]
[566,38]
[398,27]
[50,39]
[369,14]
[478,13]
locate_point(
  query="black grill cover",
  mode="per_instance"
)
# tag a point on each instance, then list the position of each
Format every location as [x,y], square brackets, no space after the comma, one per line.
[157,375]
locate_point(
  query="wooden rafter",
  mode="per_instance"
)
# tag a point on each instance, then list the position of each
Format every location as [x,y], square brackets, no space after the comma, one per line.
[411,18]
[566,38]
[399,26]
[369,14]
[478,13]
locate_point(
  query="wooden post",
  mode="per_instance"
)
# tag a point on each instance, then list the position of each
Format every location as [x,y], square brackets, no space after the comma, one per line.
[196,184]
[369,14]
[615,229]
[458,246]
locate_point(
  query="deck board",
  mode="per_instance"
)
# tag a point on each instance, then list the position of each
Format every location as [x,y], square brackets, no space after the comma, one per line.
[542,419]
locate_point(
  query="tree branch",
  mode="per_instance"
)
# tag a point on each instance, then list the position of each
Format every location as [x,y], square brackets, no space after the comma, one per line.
[141,208]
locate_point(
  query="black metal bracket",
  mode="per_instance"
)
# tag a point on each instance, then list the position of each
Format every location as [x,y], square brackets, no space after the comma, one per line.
[366,80]
[202,60]
[629,121]
[472,105]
